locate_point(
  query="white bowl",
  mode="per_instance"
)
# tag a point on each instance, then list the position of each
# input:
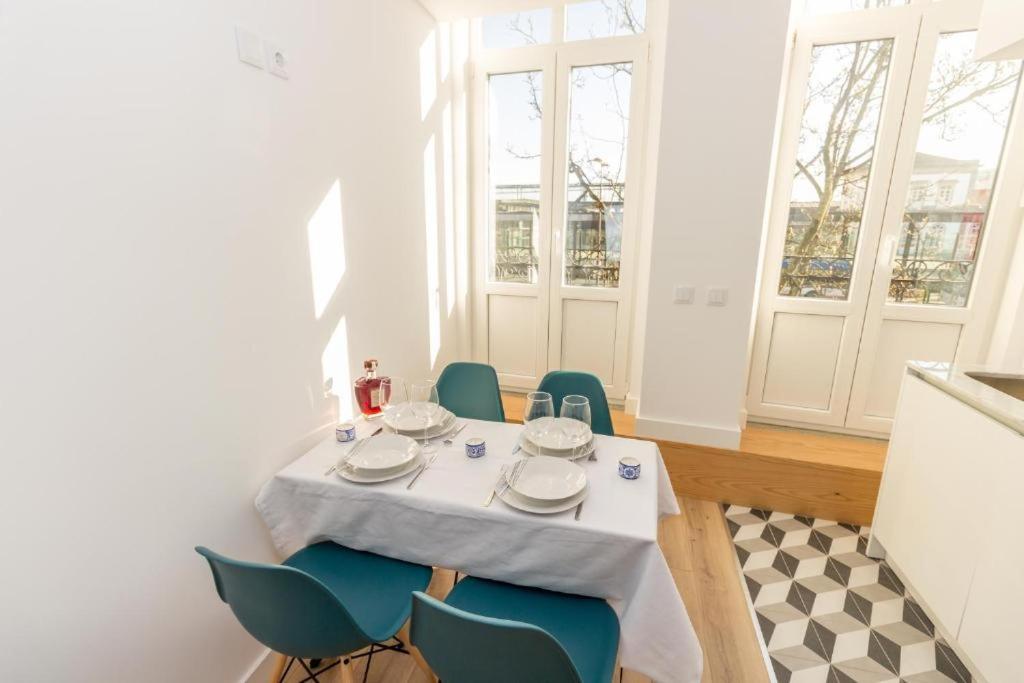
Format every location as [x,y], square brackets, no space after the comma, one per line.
[546,479]
[557,433]
[360,477]
[401,419]
[384,453]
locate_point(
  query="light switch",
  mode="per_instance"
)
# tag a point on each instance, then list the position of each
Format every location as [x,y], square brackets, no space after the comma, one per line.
[250,47]
[277,60]
[718,296]
[683,294]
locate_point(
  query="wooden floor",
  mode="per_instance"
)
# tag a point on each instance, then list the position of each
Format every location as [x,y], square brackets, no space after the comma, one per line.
[832,476]
[699,552]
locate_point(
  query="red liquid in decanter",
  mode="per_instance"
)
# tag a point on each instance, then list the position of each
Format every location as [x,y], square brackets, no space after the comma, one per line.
[367,390]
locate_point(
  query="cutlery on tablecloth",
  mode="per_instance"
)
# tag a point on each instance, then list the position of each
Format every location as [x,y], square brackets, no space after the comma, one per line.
[422,470]
[579,508]
[448,442]
[508,481]
[355,449]
[501,478]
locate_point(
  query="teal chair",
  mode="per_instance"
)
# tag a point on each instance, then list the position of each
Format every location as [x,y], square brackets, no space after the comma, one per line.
[500,633]
[471,390]
[561,383]
[324,601]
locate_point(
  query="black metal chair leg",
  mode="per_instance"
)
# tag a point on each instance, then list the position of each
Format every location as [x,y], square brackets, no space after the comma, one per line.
[312,676]
[284,674]
[369,660]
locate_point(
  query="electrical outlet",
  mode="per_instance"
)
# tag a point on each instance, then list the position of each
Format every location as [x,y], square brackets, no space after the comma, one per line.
[277,60]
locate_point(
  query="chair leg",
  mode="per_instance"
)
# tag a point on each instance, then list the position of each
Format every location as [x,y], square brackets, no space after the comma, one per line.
[278,673]
[347,675]
[403,635]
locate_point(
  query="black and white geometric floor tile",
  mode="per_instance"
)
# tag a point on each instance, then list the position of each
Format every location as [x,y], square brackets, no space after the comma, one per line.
[827,612]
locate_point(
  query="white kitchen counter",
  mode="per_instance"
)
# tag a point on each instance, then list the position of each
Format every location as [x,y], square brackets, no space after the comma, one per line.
[953,380]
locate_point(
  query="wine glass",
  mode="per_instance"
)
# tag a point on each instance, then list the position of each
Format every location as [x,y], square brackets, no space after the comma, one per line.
[425,405]
[393,399]
[538,413]
[577,409]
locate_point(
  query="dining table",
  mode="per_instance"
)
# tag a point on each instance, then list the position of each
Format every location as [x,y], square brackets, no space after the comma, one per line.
[609,550]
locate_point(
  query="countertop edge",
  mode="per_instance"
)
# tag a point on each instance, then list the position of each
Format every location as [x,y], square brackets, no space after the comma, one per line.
[976,395]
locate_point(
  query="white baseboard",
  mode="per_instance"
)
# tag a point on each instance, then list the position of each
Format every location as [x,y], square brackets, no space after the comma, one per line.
[261,669]
[631,404]
[682,432]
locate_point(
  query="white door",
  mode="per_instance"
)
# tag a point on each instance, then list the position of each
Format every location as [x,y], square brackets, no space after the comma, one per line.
[557,131]
[886,173]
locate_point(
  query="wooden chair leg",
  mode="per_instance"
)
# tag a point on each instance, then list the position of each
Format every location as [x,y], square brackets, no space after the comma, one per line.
[275,675]
[403,634]
[347,674]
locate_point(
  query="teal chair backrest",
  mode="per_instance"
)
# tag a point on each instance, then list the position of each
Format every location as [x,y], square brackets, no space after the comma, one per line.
[561,383]
[284,608]
[466,648]
[471,390]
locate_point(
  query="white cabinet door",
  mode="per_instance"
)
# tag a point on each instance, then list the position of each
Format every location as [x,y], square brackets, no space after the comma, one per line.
[935,505]
[990,632]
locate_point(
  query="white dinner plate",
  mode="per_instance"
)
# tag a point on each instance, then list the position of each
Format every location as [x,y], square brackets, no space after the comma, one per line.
[545,479]
[401,419]
[553,434]
[360,477]
[513,499]
[533,449]
[384,453]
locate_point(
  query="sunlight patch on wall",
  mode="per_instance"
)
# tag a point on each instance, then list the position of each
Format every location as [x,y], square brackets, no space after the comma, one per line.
[326,248]
[430,224]
[335,365]
[428,74]
[449,208]
[444,31]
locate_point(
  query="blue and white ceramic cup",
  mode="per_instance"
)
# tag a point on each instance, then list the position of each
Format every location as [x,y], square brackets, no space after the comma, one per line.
[629,468]
[476,447]
[345,432]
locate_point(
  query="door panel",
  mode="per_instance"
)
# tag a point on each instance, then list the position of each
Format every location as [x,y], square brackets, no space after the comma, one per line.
[594,216]
[908,246]
[512,332]
[588,336]
[802,361]
[513,181]
[840,128]
[898,342]
[934,291]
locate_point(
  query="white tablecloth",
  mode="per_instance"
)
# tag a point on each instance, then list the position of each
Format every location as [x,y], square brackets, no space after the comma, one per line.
[612,552]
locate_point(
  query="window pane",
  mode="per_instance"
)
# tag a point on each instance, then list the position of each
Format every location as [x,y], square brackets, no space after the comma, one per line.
[517,29]
[963,126]
[604,18]
[826,6]
[514,128]
[596,188]
[833,165]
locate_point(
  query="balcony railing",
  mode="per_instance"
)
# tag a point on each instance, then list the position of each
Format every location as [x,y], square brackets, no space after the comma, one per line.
[583,267]
[914,280]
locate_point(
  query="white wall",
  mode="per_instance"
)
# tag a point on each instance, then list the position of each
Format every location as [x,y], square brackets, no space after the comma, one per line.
[723,71]
[161,351]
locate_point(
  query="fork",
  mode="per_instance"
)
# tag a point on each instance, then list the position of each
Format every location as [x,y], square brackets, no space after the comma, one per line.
[511,479]
[448,442]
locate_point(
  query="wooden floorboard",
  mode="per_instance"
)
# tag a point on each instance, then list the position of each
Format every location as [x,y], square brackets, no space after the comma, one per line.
[819,474]
[699,552]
